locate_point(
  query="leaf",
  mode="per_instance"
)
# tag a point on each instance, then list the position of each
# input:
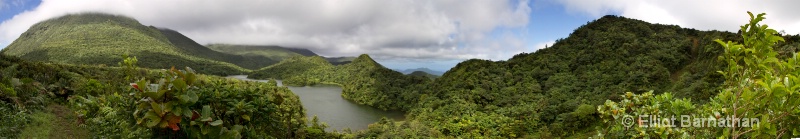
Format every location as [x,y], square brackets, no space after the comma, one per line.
[192,97]
[178,111]
[174,119]
[184,98]
[206,111]
[246,117]
[157,108]
[179,84]
[174,126]
[190,77]
[194,115]
[206,119]
[167,107]
[136,86]
[142,82]
[154,119]
[215,123]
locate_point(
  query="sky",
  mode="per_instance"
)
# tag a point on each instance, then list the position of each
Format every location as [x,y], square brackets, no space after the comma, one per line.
[400,34]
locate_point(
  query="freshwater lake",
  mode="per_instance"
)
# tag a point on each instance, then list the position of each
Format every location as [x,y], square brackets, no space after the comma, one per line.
[327,103]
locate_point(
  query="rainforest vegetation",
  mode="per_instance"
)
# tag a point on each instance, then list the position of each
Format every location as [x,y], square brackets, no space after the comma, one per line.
[592,84]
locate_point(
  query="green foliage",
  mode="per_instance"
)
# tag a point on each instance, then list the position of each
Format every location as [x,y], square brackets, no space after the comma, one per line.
[363,80]
[622,119]
[165,103]
[423,74]
[758,87]
[14,120]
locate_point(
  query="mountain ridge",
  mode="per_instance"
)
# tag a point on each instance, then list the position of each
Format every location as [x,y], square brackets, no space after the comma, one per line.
[423,69]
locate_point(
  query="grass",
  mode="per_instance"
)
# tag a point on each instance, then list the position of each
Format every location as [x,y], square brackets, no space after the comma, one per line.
[55,121]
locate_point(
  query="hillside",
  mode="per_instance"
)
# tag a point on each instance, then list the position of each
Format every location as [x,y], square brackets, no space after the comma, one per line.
[340,60]
[102,39]
[189,46]
[423,74]
[363,80]
[293,66]
[554,91]
[276,53]
[96,100]
[426,70]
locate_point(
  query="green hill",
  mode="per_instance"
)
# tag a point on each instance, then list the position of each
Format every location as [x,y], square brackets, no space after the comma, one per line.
[189,46]
[101,39]
[426,70]
[340,60]
[554,91]
[293,66]
[363,80]
[276,53]
[423,74]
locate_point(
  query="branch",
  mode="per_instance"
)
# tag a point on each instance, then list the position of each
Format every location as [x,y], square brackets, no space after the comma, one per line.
[781,133]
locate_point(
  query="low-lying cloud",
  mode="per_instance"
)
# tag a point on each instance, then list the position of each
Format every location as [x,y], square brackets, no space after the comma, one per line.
[417,29]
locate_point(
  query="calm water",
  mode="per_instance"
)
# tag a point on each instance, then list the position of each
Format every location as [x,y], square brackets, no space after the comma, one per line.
[327,103]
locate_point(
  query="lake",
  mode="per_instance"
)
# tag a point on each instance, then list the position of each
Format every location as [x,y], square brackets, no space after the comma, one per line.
[327,103]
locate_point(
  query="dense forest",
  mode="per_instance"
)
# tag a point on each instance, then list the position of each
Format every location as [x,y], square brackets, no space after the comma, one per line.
[549,93]
[363,80]
[588,85]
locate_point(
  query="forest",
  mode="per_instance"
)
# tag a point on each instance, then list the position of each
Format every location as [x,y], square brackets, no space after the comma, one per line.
[590,84]
[550,93]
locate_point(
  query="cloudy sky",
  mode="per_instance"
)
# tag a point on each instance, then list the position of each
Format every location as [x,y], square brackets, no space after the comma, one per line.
[399,33]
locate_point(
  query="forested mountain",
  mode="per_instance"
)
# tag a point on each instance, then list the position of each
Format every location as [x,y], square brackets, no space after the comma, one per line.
[191,47]
[548,93]
[426,70]
[102,39]
[340,60]
[276,53]
[363,80]
[95,39]
[423,74]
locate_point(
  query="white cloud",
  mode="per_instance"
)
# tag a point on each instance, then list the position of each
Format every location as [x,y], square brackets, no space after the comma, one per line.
[704,15]
[542,45]
[446,29]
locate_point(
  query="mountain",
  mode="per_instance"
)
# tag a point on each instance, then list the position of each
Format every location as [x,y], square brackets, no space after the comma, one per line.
[363,80]
[191,47]
[554,92]
[426,70]
[423,74]
[293,66]
[276,53]
[340,60]
[101,39]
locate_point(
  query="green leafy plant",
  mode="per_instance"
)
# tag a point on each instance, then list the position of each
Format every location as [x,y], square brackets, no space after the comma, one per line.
[168,102]
[759,87]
